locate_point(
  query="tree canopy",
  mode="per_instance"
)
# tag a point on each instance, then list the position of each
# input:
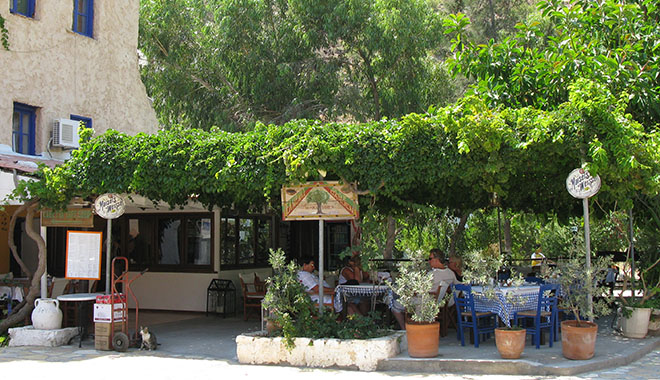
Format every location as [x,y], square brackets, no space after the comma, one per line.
[233,63]
[612,42]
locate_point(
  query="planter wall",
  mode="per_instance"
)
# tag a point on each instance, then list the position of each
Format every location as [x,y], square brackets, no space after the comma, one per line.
[255,348]
[637,325]
[578,343]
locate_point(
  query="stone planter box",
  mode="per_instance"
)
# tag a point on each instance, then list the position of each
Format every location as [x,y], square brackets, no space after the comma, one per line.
[257,348]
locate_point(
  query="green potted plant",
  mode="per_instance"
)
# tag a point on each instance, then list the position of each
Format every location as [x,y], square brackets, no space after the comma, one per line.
[287,303]
[413,285]
[578,336]
[636,313]
[482,268]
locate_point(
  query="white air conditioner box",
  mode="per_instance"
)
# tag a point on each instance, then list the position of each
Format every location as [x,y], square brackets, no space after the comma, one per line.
[65,133]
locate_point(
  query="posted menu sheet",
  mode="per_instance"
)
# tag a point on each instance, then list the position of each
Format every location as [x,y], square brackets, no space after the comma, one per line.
[83,255]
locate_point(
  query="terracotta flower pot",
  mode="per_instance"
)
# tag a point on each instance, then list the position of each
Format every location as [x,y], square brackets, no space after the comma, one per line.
[423,339]
[510,343]
[578,342]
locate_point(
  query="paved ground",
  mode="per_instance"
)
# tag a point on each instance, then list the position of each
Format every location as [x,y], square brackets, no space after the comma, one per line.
[203,348]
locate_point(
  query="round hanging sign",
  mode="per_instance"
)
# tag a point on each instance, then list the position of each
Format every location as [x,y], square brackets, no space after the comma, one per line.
[109,206]
[580,184]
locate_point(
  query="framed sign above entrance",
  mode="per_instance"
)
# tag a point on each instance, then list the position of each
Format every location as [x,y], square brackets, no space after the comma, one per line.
[319,200]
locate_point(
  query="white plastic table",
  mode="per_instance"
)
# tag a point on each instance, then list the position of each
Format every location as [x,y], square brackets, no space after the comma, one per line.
[81,299]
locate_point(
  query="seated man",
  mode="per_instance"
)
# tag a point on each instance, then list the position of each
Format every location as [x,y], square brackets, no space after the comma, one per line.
[440,274]
[311,282]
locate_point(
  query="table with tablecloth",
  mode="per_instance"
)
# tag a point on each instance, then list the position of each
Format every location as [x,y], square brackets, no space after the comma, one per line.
[342,292]
[507,300]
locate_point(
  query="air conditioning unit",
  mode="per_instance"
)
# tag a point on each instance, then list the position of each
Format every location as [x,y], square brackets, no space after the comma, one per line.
[65,133]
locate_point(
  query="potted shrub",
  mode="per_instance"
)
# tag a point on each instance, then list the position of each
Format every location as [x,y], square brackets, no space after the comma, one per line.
[482,268]
[578,336]
[413,285]
[636,313]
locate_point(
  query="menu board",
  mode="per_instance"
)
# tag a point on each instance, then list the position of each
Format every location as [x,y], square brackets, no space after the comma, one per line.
[83,255]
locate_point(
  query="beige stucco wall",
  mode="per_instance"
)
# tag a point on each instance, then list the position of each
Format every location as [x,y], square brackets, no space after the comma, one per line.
[65,73]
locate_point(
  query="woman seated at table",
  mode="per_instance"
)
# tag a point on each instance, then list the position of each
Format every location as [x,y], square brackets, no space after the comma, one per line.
[352,274]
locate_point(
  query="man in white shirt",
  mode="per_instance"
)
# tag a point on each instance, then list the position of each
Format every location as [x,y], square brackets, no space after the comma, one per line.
[440,271]
[311,282]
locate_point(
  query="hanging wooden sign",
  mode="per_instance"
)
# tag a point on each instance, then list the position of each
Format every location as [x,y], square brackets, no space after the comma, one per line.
[319,200]
[71,217]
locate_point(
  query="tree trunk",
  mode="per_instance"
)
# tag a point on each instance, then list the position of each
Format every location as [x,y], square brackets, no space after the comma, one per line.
[458,232]
[507,234]
[25,308]
[391,237]
[10,240]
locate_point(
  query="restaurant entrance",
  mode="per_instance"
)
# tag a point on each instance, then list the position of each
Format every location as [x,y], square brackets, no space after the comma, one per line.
[304,241]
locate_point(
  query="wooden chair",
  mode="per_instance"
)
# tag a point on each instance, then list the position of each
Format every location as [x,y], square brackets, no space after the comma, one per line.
[253,290]
[544,316]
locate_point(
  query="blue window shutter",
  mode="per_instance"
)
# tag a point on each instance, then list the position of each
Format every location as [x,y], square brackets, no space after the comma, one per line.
[23,7]
[32,134]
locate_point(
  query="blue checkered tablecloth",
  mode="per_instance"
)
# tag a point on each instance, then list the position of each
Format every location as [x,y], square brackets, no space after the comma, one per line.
[344,291]
[508,300]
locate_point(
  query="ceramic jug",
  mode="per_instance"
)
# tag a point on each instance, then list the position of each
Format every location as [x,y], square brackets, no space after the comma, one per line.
[46,314]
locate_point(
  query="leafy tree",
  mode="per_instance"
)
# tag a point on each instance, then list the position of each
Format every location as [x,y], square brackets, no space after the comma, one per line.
[612,42]
[319,197]
[233,63]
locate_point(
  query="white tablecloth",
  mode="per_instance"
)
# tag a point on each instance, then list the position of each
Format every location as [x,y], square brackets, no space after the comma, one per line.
[367,290]
[508,300]
[15,292]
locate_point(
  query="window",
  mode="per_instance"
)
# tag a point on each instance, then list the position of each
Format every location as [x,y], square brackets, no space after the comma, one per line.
[22,7]
[23,129]
[169,242]
[83,17]
[246,241]
[86,120]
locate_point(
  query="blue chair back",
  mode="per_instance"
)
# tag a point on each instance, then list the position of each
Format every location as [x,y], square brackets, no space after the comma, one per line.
[547,298]
[466,302]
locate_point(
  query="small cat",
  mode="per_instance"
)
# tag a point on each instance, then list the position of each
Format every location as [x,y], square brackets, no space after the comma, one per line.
[148,339]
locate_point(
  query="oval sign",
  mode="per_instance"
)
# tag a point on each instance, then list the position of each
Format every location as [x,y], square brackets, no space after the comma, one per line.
[580,184]
[109,206]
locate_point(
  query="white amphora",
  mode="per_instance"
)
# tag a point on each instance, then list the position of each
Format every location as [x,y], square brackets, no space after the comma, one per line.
[46,314]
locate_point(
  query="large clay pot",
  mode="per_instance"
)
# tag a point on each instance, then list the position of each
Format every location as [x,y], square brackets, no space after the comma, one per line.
[637,325]
[510,343]
[578,342]
[47,314]
[423,339]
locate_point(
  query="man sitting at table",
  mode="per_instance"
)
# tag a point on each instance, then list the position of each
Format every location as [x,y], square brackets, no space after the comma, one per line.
[311,282]
[440,271]
[440,274]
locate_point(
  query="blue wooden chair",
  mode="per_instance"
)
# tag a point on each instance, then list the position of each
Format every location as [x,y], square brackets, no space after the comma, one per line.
[481,323]
[545,315]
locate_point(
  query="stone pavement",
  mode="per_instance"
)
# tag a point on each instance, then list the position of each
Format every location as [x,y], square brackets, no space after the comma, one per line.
[207,344]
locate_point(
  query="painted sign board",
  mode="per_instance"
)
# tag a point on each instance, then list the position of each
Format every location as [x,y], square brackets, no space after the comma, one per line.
[319,200]
[71,217]
[580,184]
[83,255]
[109,206]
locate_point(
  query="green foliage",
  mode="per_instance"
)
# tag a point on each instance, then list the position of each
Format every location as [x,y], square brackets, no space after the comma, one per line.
[4,340]
[413,284]
[611,42]
[233,63]
[4,34]
[577,283]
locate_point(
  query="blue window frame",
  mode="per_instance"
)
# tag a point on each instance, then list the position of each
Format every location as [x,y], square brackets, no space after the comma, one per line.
[86,120]
[23,128]
[83,17]
[22,7]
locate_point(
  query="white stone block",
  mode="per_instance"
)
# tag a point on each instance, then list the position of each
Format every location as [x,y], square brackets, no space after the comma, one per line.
[29,336]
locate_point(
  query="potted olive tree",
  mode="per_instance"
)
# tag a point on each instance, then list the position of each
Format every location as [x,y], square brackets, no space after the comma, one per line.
[636,313]
[413,285]
[482,267]
[578,336]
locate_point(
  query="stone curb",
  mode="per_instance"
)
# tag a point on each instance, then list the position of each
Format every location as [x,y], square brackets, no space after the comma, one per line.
[403,363]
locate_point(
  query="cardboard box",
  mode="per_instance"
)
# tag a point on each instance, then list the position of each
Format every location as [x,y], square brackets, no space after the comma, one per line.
[102,312]
[103,343]
[103,328]
[108,298]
